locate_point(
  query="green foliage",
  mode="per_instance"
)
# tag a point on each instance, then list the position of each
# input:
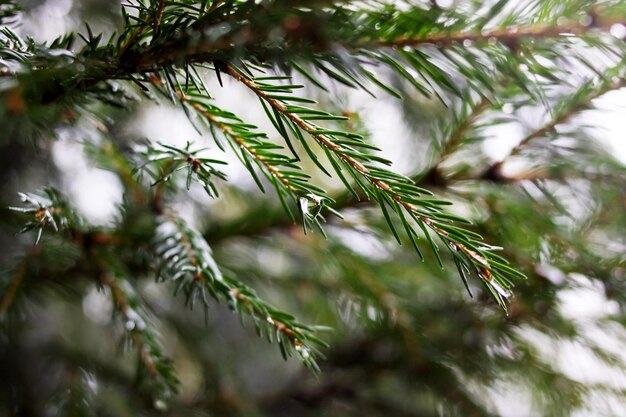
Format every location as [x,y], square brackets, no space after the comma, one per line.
[481,65]
[51,210]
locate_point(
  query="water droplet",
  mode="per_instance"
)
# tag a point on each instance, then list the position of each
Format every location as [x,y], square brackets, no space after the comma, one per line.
[316,198]
[467,43]
[130,325]
[304,352]
[371,312]
[160,405]
[618,30]
[585,20]
[304,205]
[499,288]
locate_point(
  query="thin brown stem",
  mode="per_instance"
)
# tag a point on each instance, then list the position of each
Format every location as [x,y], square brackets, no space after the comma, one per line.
[504,35]
[158,16]
[9,295]
[278,325]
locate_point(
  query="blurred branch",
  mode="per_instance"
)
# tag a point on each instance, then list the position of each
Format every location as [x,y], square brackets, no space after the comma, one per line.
[573,108]
[508,36]
[18,276]
[129,57]
[158,15]
[120,300]
[462,129]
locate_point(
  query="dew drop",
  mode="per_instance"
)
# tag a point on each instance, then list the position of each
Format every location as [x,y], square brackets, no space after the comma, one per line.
[304,352]
[304,205]
[585,20]
[507,108]
[618,30]
[500,289]
[160,405]
[444,4]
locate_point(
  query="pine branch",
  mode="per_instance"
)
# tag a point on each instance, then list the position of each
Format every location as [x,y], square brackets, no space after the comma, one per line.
[130,54]
[170,159]
[284,174]
[246,146]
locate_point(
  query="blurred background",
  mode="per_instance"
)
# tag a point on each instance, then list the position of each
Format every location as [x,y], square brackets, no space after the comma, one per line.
[406,338]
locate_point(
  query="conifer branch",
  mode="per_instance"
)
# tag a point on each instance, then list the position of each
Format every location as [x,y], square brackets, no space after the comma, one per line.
[10,293]
[283,172]
[185,259]
[462,128]
[48,210]
[569,107]
[240,141]
[164,383]
[158,15]
[509,35]
[402,195]
[170,159]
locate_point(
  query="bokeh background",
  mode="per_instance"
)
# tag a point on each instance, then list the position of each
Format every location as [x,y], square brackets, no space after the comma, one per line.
[406,337]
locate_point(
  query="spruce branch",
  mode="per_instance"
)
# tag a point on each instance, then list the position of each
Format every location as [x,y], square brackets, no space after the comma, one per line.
[398,192]
[570,106]
[163,384]
[134,52]
[461,127]
[169,159]
[48,210]
[284,174]
[238,138]
[509,35]
[185,259]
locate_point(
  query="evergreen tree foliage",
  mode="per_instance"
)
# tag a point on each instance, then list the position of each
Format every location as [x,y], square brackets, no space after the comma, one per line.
[440,284]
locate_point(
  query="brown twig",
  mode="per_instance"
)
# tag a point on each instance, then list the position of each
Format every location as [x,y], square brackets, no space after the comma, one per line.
[505,35]
[9,296]
[158,15]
